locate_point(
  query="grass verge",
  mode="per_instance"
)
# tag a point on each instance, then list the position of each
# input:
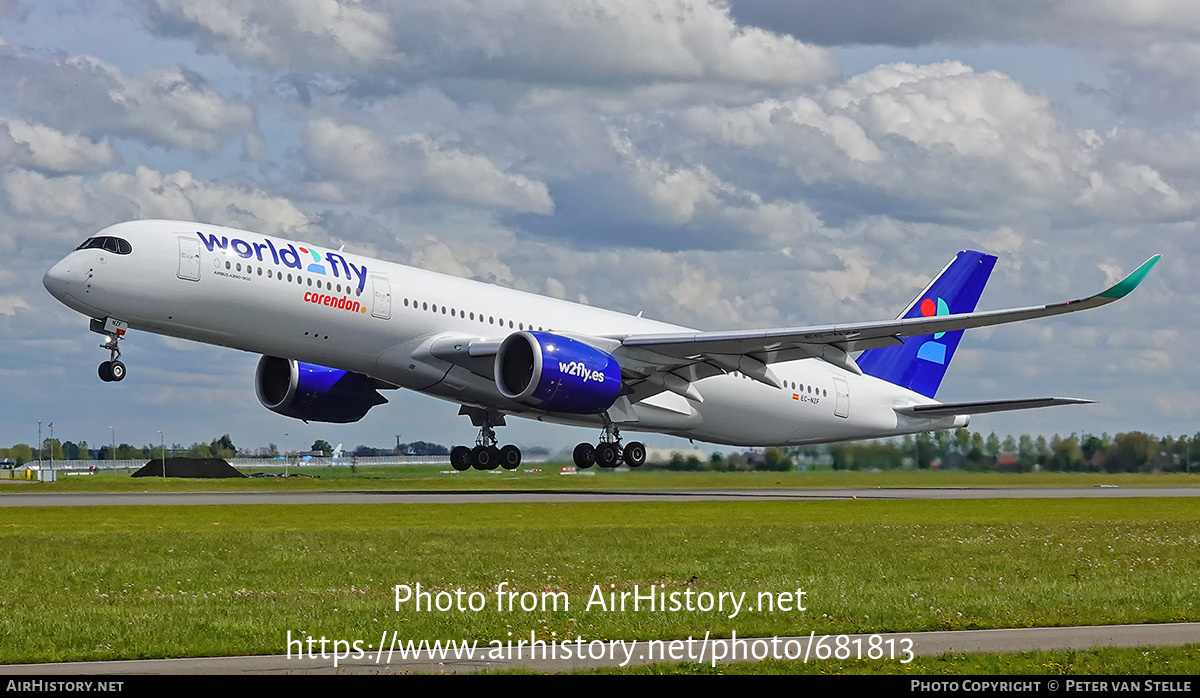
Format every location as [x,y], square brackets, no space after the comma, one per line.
[547,476]
[135,582]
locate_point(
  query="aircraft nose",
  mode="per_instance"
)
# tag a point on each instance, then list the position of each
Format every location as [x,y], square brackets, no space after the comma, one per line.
[58,279]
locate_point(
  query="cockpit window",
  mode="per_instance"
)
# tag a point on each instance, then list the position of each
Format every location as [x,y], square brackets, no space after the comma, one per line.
[106,242]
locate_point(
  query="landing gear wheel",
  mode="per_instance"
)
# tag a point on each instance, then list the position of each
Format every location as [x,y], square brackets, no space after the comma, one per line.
[608,455]
[584,455]
[460,458]
[116,369]
[105,372]
[482,458]
[510,457]
[635,454]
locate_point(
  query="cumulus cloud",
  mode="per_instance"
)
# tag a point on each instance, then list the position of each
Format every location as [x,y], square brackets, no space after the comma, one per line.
[11,303]
[909,24]
[148,193]
[528,41]
[168,106]
[941,140]
[1150,50]
[353,158]
[48,150]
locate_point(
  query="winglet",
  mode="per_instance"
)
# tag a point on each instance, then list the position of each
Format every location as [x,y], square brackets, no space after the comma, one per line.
[1123,287]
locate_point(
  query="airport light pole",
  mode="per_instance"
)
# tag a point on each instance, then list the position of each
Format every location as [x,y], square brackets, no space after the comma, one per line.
[285,453]
[113,454]
[162,443]
[41,445]
[52,445]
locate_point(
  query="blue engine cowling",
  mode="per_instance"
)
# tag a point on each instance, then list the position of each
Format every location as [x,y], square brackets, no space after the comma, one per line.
[557,374]
[314,393]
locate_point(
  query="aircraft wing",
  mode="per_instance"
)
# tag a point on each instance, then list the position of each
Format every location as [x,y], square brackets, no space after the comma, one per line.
[834,342]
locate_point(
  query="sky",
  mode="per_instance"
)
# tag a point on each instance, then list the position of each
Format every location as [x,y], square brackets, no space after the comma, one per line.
[721,165]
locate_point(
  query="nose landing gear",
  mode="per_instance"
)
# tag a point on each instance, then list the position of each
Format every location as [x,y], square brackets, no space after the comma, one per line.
[111,371]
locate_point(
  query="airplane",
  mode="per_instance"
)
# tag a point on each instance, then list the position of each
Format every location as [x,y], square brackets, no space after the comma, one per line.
[334,329]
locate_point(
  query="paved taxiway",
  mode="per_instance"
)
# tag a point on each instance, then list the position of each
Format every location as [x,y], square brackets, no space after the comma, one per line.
[22,499]
[924,644]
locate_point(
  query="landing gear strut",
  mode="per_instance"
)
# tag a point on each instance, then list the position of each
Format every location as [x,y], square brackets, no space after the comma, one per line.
[485,455]
[113,370]
[609,453]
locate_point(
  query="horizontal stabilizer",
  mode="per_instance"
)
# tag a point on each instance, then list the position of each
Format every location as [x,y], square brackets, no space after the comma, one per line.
[989,406]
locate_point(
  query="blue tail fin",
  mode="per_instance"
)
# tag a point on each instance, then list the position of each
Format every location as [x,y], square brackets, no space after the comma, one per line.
[920,362]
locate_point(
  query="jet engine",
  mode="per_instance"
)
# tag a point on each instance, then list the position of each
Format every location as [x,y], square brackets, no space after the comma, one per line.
[556,373]
[314,393]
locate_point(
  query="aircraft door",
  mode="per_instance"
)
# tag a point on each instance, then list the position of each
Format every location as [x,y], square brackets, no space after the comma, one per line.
[189,259]
[842,407]
[381,302]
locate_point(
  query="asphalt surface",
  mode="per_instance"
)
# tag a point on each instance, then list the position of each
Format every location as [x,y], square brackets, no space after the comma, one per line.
[23,499]
[922,644]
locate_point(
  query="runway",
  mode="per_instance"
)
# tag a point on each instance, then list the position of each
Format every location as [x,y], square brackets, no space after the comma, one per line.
[922,644]
[23,499]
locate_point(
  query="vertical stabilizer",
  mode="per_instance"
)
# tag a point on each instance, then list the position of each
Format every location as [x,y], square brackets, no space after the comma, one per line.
[920,362]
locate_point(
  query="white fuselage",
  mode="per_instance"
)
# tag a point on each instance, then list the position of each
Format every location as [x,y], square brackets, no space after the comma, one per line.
[266,295]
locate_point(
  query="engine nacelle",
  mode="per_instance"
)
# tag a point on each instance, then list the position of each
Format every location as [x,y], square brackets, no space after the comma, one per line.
[314,393]
[557,374]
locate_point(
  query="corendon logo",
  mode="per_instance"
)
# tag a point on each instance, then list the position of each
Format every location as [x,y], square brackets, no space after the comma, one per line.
[576,368]
[288,256]
[342,303]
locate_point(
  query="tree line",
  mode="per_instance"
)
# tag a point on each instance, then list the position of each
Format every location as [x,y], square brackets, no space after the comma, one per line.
[953,450]
[961,449]
[56,449]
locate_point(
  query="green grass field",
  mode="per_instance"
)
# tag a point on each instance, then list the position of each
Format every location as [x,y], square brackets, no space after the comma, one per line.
[131,582]
[547,476]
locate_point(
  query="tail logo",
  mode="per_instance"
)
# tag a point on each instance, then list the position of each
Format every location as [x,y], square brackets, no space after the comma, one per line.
[933,350]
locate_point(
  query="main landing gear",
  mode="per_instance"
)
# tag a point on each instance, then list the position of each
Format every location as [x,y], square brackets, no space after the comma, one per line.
[485,455]
[609,453]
